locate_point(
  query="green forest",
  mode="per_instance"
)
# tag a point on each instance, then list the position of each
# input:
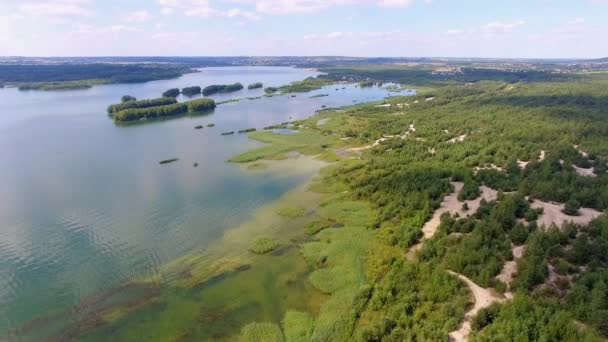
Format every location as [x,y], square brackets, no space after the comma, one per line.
[523,137]
[78,76]
[221,88]
[134,110]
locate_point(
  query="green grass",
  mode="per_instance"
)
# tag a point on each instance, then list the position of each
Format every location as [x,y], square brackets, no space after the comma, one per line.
[298,326]
[258,332]
[306,142]
[263,245]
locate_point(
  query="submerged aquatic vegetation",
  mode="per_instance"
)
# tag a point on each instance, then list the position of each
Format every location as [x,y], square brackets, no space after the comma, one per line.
[256,332]
[263,245]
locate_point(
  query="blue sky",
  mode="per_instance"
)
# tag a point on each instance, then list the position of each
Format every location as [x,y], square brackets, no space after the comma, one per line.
[439,28]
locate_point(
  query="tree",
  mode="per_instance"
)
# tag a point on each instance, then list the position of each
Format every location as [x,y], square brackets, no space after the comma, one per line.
[572,207]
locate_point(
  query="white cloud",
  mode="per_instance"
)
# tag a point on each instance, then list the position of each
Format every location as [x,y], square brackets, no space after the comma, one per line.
[137,17]
[500,27]
[576,21]
[191,8]
[56,8]
[237,12]
[395,3]
[277,7]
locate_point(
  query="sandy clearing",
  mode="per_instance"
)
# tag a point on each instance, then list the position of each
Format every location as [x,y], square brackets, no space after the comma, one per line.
[552,214]
[509,270]
[522,164]
[429,99]
[584,172]
[482,299]
[385,137]
[322,121]
[383,105]
[491,167]
[583,153]
[459,138]
[450,204]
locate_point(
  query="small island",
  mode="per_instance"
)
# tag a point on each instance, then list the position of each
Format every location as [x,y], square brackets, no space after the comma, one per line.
[255,85]
[173,92]
[221,88]
[228,133]
[156,108]
[247,130]
[191,91]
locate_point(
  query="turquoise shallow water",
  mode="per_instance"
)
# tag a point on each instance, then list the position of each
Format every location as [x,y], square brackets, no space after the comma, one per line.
[84,204]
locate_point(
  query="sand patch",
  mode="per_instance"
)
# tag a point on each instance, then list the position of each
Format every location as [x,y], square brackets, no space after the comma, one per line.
[491,167]
[482,299]
[509,270]
[459,138]
[522,163]
[552,214]
[322,121]
[584,172]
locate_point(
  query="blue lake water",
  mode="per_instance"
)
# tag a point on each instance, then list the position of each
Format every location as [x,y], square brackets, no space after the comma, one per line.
[84,204]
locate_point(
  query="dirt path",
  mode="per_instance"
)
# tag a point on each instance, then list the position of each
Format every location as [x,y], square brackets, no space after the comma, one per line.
[509,270]
[482,297]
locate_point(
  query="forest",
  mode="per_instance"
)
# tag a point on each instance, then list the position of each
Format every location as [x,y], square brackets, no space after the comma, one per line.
[74,76]
[134,110]
[516,146]
[221,88]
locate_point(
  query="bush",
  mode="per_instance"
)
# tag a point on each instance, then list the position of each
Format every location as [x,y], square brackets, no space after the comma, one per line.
[173,92]
[572,207]
[262,245]
[127,98]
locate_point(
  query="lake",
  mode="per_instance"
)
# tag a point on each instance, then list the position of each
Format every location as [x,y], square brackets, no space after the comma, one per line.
[85,207]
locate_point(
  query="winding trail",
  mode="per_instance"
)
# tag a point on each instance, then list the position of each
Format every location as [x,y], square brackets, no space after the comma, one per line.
[482,297]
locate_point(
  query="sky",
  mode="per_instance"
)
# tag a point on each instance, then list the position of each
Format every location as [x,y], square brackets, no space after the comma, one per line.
[367,28]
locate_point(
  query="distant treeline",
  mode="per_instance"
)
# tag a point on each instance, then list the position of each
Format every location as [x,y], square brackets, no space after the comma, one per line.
[156,108]
[427,76]
[221,88]
[109,73]
[255,85]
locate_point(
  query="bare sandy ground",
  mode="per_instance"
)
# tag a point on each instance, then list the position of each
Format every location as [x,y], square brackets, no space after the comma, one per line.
[491,167]
[385,137]
[322,121]
[451,205]
[584,172]
[482,297]
[459,138]
[552,214]
[522,164]
[509,270]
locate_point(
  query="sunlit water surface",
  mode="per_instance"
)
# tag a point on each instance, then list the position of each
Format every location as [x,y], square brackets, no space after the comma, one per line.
[85,206]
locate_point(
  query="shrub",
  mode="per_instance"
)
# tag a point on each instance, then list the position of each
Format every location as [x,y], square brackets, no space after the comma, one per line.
[127,98]
[572,207]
